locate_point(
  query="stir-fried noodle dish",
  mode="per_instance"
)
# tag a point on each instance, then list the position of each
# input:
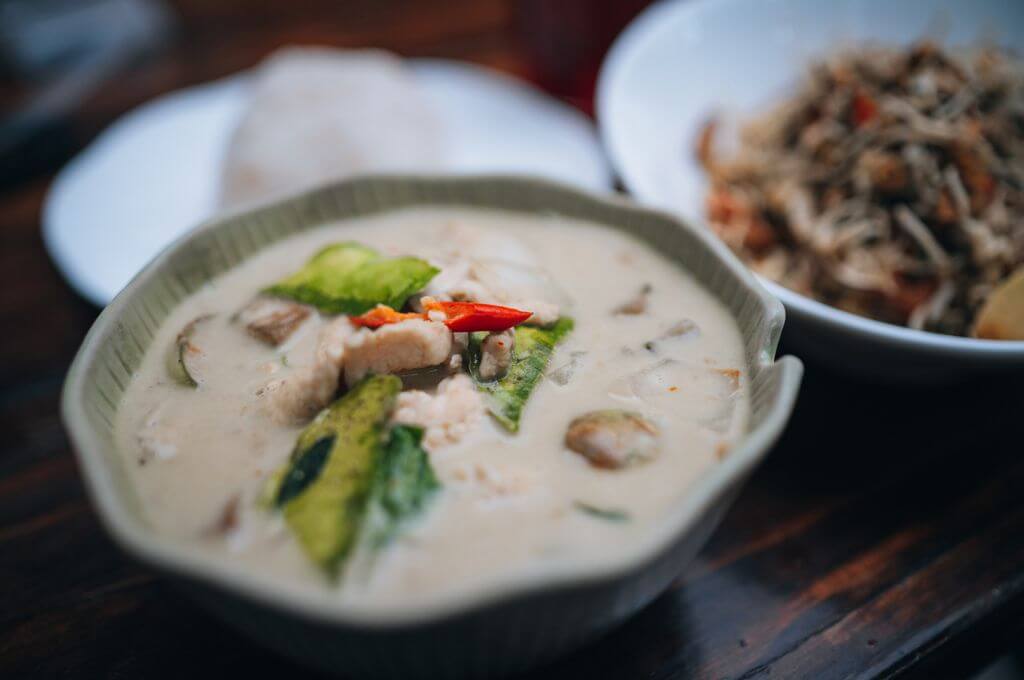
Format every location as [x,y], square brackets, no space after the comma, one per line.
[891,185]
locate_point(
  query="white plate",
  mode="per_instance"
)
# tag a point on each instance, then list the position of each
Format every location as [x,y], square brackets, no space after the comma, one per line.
[154,173]
[681,62]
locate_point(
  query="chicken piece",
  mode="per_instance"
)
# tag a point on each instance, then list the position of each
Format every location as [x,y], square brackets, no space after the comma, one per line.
[496,354]
[302,393]
[153,439]
[613,439]
[522,287]
[272,320]
[403,346]
[447,415]
[460,343]
[455,282]
[545,314]
[659,387]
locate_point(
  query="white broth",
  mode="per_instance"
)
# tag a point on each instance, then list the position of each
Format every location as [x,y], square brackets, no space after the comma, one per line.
[647,339]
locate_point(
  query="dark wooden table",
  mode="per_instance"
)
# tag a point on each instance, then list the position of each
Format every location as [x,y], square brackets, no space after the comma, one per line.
[883,537]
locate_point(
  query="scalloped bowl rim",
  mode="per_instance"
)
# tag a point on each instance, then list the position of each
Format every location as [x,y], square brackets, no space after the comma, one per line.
[183,559]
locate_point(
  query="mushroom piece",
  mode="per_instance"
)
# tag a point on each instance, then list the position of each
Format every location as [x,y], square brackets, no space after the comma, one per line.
[185,358]
[303,391]
[272,320]
[613,439]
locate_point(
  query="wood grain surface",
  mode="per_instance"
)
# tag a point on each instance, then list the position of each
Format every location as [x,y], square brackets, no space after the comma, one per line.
[883,537]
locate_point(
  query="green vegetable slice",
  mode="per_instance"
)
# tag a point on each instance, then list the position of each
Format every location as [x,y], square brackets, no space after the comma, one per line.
[324,492]
[403,485]
[304,470]
[350,278]
[507,396]
[607,514]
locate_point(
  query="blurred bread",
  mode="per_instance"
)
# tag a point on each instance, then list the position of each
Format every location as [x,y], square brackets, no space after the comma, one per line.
[319,114]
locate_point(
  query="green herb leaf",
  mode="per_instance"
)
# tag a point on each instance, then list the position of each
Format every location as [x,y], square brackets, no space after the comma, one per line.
[402,487]
[507,396]
[323,494]
[349,278]
[608,514]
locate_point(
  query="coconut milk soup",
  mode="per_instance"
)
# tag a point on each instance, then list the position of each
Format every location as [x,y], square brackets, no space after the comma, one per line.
[404,408]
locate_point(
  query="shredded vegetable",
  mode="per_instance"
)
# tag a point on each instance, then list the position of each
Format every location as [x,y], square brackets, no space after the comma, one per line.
[890,186]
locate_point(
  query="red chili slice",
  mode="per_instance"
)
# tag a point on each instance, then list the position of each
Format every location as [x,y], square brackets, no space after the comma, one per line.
[469,317]
[864,109]
[460,317]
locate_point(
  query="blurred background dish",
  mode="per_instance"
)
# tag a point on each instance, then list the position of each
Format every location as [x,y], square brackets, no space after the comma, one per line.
[722,67]
[314,114]
[157,171]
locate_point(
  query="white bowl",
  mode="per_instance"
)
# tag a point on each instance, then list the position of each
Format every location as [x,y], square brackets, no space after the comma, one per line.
[681,62]
[507,628]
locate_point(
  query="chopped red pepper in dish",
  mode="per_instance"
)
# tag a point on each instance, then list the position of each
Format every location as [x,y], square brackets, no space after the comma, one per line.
[864,109]
[382,315]
[460,317]
[470,317]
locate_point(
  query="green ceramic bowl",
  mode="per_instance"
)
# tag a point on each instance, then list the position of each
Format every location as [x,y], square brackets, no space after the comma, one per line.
[514,626]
